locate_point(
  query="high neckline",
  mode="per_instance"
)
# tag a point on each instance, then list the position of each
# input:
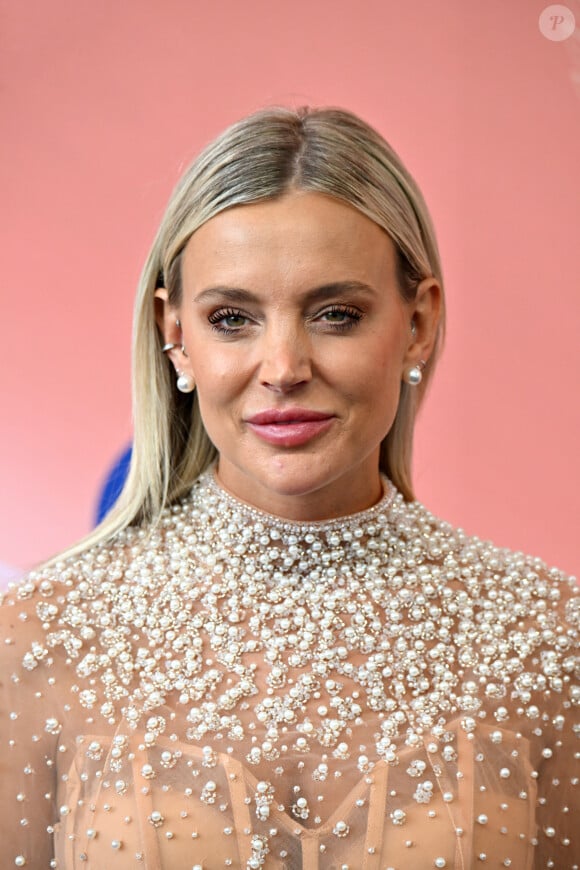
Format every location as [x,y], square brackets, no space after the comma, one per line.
[216,490]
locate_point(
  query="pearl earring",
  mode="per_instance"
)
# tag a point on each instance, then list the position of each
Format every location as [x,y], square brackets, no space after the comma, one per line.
[185,383]
[414,375]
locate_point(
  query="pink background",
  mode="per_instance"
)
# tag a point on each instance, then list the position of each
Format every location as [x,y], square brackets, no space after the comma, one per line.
[103,104]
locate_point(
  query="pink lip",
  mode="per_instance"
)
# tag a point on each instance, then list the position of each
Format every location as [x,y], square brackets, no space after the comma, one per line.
[289,427]
[287,415]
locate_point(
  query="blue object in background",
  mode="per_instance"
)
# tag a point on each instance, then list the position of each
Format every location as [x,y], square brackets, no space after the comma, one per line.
[113,484]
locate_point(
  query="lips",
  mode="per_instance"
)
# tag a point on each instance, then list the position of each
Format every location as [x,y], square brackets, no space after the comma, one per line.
[287,415]
[289,427]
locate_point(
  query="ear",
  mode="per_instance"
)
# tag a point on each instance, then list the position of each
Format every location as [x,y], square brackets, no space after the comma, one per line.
[425,311]
[169,324]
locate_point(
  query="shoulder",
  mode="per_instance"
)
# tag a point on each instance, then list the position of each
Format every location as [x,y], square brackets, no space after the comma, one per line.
[49,609]
[498,592]
[501,626]
[473,558]
[79,617]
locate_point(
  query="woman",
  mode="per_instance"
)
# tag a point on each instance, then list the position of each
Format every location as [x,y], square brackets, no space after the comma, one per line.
[270,655]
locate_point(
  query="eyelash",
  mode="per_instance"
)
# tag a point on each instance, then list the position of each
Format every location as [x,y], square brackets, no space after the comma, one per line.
[216,318]
[354,317]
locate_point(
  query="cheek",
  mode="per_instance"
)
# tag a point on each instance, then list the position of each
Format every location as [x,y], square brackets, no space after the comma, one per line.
[376,393]
[220,386]
[215,411]
[371,373]
[218,376]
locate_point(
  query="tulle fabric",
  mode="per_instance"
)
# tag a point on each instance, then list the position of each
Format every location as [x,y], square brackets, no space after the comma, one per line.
[107,761]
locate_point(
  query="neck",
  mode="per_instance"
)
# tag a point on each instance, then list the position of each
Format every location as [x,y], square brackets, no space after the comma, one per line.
[331,520]
[301,498]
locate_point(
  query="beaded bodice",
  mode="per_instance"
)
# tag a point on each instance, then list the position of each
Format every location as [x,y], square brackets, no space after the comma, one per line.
[230,689]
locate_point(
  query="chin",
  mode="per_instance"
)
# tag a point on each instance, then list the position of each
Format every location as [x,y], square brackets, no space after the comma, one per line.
[296,475]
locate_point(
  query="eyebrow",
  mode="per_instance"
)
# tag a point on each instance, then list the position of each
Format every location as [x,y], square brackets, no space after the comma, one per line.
[317,294]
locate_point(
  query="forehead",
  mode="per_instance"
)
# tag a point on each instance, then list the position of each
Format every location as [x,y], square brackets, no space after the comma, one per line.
[300,235]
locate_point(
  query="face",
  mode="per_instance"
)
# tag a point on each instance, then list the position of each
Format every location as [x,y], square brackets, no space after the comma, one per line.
[297,338]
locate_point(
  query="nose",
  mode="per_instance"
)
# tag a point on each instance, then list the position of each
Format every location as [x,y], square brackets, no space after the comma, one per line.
[286,359]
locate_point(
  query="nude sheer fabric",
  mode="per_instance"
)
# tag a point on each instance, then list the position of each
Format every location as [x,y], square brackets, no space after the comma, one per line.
[233,690]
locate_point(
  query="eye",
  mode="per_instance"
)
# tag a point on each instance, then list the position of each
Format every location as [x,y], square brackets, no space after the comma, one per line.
[228,320]
[340,316]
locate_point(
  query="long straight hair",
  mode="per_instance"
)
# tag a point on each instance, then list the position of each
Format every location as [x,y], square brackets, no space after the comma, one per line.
[261,157]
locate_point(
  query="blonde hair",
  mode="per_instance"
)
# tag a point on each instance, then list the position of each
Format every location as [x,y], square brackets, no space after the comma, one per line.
[264,155]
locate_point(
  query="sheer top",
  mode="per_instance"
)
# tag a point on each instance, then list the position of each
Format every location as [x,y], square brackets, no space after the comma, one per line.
[230,689]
